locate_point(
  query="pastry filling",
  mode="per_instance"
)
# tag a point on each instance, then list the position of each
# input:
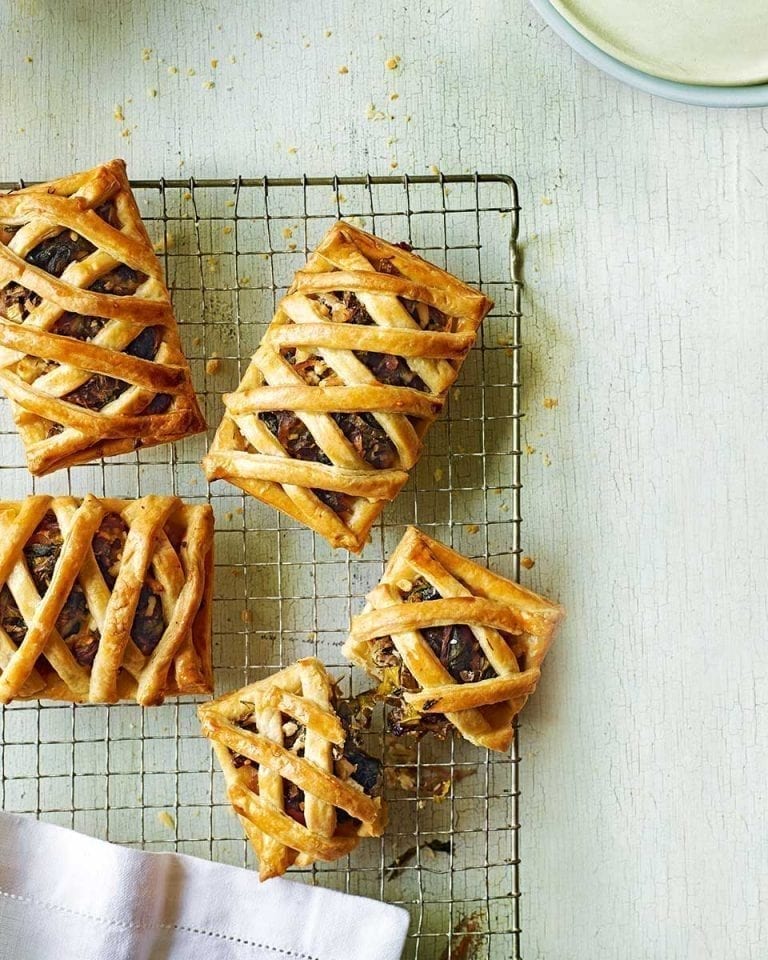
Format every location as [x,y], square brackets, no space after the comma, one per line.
[455,646]
[349,763]
[54,255]
[74,624]
[361,429]
[345,307]
[148,621]
[16,302]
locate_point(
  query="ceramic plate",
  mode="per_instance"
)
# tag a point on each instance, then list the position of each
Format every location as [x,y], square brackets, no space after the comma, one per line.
[710,95]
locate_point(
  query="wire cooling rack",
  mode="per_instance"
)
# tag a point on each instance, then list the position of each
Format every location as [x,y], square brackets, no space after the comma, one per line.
[145,777]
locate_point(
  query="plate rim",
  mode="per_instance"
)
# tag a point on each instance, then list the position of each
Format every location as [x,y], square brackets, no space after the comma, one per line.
[702,95]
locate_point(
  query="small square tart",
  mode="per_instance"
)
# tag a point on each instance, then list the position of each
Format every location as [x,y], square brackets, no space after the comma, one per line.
[396,292]
[77,396]
[490,605]
[302,693]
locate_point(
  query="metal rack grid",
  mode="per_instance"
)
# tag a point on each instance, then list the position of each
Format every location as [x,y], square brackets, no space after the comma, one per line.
[146,777]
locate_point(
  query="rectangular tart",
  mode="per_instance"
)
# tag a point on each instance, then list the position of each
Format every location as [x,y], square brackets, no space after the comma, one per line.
[104,600]
[353,369]
[90,356]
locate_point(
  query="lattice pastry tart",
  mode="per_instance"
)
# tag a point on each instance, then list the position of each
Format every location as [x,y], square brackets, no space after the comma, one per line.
[89,350]
[451,643]
[104,600]
[352,371]
[303,788]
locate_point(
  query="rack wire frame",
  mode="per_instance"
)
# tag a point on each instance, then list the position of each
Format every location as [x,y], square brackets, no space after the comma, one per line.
[145,777]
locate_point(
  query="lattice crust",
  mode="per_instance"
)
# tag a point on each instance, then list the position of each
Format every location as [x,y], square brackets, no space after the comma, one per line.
[89,349]
[104,600]
[446,636]
[354,368]
[287,766]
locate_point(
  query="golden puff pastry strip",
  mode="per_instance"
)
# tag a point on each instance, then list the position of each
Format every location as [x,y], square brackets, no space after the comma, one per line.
[301,786]
[451,641]
[90,356]
[353,369]
[104,600]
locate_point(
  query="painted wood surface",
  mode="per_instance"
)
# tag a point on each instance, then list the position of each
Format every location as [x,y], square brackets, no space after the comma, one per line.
[645,750]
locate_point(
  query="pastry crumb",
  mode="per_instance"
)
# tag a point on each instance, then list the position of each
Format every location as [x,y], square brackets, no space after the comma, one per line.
[213,365]
[117,113]
[371,113]
[165,243]
[546,201]
[258,35]
[245,616]
[239,510]
[550,402]
[196,341]
[472,528]
[343,69]
[528,562]
[191,72]
[393,164]
[394,96]
[152,92]
[226,230]
[287,232]
[214,64]
[529,449]
[209,85]
[229,203]
[146,54]
[173,70]
[546,460]
[245,281]
[438,474]
[166,819]
[328,33]
[293,150]
[393,63]
[28,59]
[125,133]
[291,247]
[434,170]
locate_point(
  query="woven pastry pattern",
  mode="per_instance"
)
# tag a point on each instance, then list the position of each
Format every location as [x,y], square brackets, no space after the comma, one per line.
[472,642]
[280,744]
[89,350]
[353,369]
[103,600]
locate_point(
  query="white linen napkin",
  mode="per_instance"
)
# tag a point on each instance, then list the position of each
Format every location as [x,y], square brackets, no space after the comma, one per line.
[65,896]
